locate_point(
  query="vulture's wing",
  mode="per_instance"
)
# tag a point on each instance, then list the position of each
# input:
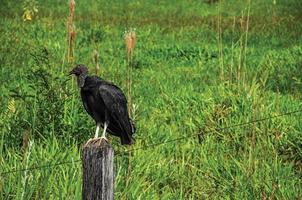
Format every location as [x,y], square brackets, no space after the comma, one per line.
[86,106]
[116,104]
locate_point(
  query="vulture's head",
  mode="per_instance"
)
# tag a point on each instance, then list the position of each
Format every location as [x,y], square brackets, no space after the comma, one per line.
[80,71]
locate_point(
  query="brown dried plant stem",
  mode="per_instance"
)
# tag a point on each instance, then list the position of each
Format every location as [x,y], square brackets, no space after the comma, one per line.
[246,36]
[233,47]
[130,40]
[71,32]
[240,53]
[242,64]
[129,84]
[129,81]
[220,45]
[95,58]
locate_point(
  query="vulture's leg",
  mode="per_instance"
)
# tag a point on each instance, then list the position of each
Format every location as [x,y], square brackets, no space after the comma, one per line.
[97,130]
[105,126]
[96,136]
[104,131]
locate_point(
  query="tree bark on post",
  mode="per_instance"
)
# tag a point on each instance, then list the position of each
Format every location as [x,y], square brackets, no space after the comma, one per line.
[98,177]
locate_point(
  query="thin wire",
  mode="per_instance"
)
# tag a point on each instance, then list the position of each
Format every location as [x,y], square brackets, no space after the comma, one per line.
[219,129]
[155,144]
[40,167]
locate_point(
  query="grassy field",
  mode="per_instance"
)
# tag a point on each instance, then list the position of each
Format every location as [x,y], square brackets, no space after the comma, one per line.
[198,66]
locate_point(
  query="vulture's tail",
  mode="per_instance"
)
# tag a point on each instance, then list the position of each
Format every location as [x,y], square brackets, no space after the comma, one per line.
[127,138]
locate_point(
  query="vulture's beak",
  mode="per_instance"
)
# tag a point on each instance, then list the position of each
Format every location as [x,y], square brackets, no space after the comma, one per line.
[70,73]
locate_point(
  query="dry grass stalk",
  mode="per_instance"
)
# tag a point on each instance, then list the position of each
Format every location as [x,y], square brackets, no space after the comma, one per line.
[96,61]
[220,45]
[71,32]
[233,46]
[130,41]
[240,60]
[246,35]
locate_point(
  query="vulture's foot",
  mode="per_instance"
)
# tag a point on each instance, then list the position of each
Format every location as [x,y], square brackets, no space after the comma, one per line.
[95,141]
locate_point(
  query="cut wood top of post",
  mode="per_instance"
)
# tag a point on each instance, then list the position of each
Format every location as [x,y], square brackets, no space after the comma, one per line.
[97,143]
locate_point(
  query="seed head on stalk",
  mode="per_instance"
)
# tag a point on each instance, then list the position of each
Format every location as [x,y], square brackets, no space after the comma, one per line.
[130,40]
[71,6]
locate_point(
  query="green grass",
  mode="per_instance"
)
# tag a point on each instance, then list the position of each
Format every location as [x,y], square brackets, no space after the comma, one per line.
[179,91]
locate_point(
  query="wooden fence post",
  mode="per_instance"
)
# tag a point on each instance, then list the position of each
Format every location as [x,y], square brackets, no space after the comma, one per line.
[98,177]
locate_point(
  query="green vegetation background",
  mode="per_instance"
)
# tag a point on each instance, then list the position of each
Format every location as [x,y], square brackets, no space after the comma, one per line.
[198,66]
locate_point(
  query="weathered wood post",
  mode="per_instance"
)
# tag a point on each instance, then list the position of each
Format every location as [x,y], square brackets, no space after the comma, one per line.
[98,177]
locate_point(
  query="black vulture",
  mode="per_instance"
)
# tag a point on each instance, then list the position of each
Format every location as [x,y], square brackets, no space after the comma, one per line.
[106,104]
